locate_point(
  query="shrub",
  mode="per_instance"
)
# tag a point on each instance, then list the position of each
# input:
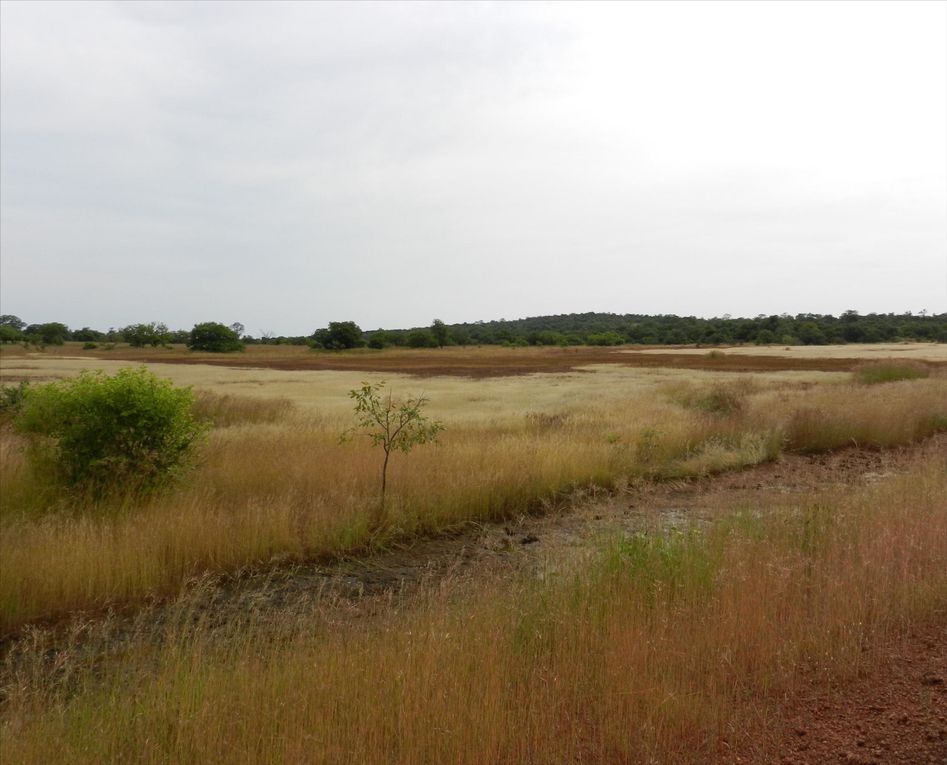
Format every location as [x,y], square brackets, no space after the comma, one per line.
[11,400]
[719,399]
[214,337]
[877,372]
[90,346]
[100,433]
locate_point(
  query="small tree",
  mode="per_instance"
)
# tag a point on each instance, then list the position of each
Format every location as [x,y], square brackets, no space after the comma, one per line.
[394,425]
[99,433]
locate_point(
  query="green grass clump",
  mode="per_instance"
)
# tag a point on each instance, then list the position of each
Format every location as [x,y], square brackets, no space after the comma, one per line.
[878,372]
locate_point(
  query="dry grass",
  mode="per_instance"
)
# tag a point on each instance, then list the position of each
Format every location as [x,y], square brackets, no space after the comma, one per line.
[657,648]
[288,490]
[876,417]
[224,410]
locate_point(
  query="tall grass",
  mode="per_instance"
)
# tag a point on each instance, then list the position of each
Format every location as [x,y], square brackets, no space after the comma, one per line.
[224,410]
[288,490]
[654,648]
[891,370]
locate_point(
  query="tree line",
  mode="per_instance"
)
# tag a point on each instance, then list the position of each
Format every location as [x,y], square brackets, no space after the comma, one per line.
[561,330]
[207,336]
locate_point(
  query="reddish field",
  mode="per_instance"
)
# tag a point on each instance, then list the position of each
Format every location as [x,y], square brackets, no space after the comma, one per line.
[478,362]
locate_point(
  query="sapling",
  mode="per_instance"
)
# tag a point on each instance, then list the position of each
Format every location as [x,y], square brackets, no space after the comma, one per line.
[393,424]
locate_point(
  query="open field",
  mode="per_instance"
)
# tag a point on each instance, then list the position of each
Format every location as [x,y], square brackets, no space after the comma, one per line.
[492,361]
[653,637]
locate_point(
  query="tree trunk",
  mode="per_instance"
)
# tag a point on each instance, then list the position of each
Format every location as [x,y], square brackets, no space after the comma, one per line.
[380,515]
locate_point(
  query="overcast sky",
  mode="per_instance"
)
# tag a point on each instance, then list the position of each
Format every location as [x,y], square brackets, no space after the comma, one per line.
[288,164]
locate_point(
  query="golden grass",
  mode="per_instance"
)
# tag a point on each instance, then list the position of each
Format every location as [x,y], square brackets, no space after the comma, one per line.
[654,648]
[224,410]
[288,490]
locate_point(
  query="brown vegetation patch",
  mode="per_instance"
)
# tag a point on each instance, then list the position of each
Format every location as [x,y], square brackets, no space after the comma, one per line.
[489,361]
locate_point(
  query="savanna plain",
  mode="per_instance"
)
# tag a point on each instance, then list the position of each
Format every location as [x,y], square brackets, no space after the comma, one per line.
[618,556]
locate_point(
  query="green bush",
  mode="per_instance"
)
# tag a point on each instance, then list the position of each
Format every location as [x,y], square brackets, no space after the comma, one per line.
[132,431]
[11,400]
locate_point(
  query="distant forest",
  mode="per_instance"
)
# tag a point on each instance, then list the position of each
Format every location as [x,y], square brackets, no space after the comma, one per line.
[563,329]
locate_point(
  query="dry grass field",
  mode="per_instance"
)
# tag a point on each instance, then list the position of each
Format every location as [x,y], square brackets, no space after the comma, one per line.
[650,647]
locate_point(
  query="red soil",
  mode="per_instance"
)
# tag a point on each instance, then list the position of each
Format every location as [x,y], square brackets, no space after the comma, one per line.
[894,713]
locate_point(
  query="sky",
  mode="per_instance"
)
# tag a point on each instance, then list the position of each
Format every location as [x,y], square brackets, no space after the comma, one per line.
[284,165]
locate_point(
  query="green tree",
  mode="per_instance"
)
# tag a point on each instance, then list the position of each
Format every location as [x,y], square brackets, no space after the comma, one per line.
[9,334]
[440,333]
[87,335]
[421,338]
[9,320]
[810,334]
[140,335]
[339,336]
[215,337]
[392,424]
[50,333]
[101,433]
